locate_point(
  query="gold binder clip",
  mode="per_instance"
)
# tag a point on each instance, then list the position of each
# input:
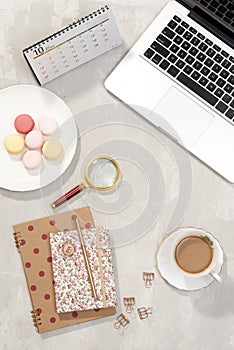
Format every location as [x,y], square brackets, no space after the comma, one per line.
[121,321]
[129,304]
[148,278]
[143,312]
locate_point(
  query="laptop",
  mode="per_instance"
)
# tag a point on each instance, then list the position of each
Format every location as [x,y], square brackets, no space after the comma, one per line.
[179,75]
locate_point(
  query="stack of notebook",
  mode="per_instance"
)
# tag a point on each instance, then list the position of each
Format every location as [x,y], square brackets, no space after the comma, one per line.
[33,241]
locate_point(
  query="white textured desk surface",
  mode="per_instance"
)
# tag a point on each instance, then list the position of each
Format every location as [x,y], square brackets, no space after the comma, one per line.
[202,320]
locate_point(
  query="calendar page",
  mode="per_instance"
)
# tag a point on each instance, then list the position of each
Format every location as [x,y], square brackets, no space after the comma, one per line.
[74,45]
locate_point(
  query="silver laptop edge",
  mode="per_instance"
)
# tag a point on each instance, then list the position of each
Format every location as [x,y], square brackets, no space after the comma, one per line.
[169,105]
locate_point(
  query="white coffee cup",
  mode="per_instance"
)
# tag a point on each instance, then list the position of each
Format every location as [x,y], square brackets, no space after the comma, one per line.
[191,231]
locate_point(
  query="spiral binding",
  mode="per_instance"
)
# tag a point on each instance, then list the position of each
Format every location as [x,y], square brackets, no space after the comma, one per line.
[69,27]
[36,318]
[18,239]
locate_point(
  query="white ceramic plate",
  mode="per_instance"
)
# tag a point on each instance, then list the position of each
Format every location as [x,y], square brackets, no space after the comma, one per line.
[36,102]
[176,278]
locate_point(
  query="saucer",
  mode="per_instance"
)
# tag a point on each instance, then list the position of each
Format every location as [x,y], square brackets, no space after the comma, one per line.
[173,276]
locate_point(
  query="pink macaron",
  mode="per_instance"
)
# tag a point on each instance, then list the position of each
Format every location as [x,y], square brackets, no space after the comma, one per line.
[32,159]
[48,126]
[34,140]
[24,123]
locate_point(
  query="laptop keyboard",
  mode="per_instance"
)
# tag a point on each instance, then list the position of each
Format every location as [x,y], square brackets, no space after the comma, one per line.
[196,62]
[224,9]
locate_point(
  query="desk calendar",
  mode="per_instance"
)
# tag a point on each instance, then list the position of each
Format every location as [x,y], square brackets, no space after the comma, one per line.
[74,45]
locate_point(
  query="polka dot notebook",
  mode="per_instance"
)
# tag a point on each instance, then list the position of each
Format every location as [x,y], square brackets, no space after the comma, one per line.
[33,241]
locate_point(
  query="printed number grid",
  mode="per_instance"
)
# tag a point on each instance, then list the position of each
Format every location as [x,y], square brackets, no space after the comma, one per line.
[73,46]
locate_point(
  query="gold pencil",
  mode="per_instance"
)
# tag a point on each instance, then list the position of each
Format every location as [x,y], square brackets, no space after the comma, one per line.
[86,259]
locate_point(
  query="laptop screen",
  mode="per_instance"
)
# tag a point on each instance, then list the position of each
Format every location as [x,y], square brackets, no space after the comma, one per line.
[221,10]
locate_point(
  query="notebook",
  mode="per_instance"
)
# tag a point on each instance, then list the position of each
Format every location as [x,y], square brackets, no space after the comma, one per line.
[32,240]
[74,45]
[72,286]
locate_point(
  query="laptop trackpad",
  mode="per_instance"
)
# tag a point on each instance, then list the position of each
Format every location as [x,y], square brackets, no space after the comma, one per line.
[181,117]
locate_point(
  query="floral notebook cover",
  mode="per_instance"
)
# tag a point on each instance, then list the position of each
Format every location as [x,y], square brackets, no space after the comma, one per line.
[72,287]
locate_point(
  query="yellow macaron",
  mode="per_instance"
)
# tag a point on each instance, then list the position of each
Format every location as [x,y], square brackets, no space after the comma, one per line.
[52,149]
[14,144]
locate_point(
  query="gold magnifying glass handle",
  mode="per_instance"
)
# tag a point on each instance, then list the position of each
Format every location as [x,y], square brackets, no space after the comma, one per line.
[86,259]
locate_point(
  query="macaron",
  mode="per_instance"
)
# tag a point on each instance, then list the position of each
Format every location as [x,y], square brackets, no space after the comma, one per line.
[52,149]
[34,140]
[32,159]
[24,123]
[48,126]
[14,144]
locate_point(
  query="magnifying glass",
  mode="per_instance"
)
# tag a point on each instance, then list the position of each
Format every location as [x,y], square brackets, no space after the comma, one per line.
[101,173]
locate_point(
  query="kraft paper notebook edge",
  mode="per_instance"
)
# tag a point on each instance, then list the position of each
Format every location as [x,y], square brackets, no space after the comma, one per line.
[32,241]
